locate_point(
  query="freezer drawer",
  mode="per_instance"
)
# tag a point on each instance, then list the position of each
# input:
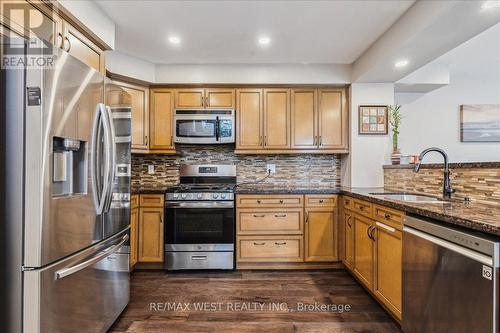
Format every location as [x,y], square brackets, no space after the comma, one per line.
[84,293]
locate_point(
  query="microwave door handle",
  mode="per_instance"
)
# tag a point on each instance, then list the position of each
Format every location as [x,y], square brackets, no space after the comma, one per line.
[217,128]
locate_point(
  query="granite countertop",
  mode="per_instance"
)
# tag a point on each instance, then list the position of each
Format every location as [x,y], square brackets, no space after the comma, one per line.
[470,215]
[266,189]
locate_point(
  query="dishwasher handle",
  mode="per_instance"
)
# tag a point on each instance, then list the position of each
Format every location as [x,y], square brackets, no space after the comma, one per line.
[482,258]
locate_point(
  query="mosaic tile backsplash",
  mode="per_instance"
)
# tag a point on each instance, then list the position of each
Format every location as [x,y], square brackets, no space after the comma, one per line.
[292,171]
[480,184]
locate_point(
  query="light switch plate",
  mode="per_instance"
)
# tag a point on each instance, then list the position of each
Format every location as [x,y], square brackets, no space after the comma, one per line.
[271,167]
[151,169]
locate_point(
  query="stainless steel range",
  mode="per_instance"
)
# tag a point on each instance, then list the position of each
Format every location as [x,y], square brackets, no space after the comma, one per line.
[199,228]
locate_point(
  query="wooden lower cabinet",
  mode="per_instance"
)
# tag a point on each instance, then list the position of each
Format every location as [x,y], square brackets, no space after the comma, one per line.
[271,232]
[134,235]
[373,250]
[348,239]
[150,244]
[320,235]
[388,267]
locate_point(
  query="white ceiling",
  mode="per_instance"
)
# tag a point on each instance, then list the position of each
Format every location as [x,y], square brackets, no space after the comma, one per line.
[225,32]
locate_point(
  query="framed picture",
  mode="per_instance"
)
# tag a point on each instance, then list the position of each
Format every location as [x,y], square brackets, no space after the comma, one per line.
[373,119]
[480,123]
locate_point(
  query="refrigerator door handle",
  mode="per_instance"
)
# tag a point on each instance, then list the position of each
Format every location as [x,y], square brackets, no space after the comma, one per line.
[99,120]
[112,159]
[105,253]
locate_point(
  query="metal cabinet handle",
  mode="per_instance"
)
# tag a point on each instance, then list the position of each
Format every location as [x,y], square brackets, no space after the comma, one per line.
[260,141]
[368,232]
[281,201]
[387,216]
[147,140]
[171,140]
[161,219]
[69,43]
[349,221]
[255,215]
[106,253]
[259,244]
[61,40]
[361,207]
[198,257]
[372,236]
[279,215]
[265,140]
[282,243]
[307,217]
[321,201]
[258,201]
[320,140]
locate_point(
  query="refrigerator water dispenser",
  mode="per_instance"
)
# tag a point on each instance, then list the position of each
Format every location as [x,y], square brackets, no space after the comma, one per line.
[69,163]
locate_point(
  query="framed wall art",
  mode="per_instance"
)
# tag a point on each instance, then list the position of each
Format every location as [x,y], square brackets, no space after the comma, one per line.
[373,119]
[480,123]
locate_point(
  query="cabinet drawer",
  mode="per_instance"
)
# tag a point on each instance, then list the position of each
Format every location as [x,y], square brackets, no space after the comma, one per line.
[151,200]
[389,216]
[270,249]
[270,221]
[348,203]
[257,200]
[363,208]
[314,200]
[134,201]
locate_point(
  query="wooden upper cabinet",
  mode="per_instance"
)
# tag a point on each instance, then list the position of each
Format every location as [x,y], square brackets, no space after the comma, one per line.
[216,98]
[31,20]
[320,234]
[277,118]
[189,98]
[82,48]
[249,119]
[140,114]
[161,120]
[304,118]
[333,122]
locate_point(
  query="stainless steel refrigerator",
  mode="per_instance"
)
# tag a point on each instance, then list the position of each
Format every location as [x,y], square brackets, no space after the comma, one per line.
[65,198]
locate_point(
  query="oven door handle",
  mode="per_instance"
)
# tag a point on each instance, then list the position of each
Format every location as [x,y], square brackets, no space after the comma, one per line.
[217,129]
[198,204]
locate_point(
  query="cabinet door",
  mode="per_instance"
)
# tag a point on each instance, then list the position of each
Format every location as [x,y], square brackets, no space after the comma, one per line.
[161,119]
[249,119]
[320,235]
[140,114]
[333,122]
[349,239]
[79,46]
[363,251]
[304,119]
[151,235]
[388,267]
[190,98]
[219,98]
[134,233]
[277,118]
[31,20]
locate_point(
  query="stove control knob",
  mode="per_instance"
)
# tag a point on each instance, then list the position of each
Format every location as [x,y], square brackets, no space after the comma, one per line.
[200,195]
[183,196]
[176,195]
[215,195]
[223,196]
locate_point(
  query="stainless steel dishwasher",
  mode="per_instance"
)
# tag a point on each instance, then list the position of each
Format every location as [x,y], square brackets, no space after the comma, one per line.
[450,279]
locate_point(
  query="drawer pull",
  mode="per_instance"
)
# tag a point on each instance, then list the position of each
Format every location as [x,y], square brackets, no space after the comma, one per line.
[387,216]
[349,221]
[279,215]
[259,244]
[258,201]
[307,217]
[321,200]
[255,215]
[281,201]
[199,258]
[361,207]
[282,243]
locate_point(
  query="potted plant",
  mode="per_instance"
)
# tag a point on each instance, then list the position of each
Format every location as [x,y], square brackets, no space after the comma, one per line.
[395,120]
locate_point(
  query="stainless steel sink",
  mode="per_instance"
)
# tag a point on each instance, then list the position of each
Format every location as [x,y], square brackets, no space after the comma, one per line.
[408,197]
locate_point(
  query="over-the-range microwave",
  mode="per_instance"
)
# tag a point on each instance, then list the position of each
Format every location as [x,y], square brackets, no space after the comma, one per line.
[204,126]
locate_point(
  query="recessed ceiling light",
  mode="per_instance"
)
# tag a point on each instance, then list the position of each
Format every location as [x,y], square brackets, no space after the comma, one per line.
[401,63]
[174,40]
[490,4]
[264,40]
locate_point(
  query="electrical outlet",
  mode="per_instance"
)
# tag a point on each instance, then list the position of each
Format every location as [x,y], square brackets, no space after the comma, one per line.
[271,167]
[151,169]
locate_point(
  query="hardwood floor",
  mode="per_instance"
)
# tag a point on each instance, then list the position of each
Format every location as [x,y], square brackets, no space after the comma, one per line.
[256,289]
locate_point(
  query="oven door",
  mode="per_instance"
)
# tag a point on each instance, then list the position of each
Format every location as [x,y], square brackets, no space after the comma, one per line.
[201,224]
